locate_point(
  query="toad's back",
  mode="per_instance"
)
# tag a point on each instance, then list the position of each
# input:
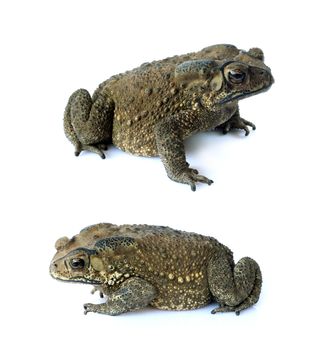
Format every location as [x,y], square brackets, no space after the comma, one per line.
[175,262]
[142,98]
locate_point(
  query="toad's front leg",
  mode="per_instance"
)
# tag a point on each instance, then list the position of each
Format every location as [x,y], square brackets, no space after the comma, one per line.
[170,134]
[88,122]
[236,122]
[133,294]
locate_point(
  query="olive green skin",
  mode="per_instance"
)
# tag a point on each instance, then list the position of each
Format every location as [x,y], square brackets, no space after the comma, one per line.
[150,110]
[134,266]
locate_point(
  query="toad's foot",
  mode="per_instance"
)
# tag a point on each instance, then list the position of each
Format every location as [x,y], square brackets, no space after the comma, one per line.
[252,299]
[236,122]
[226,308]
[98,149]
[99,308]
[190,177]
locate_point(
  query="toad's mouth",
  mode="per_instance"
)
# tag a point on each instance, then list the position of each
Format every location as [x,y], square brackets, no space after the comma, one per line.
[76,280]
[63,278]
[243,94]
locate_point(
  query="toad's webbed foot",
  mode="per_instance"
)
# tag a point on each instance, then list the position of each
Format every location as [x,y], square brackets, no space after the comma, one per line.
[98,149]
[103,308]
[91,308]
[227,308]
[189,177]
[236,122]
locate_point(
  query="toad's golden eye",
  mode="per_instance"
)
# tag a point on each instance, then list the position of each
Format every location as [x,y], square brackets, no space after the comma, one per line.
[77,263]
[236,76]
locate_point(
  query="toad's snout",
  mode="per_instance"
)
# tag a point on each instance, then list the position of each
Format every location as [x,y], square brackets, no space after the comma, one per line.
[264,75]
[53,269]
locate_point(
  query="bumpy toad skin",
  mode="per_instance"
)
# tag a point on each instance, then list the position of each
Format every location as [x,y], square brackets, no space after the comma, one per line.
[150,110]
[134,266]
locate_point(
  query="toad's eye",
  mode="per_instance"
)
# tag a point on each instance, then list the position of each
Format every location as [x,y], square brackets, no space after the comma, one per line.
[236,76]
[77,263]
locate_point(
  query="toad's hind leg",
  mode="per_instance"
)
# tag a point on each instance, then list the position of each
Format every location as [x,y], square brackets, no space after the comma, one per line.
[133,294]
[88,121]
[234,287]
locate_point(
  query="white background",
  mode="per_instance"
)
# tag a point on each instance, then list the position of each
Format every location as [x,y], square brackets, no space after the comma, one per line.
[271,199]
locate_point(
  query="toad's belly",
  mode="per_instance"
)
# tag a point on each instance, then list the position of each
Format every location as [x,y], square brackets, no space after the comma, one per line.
[182,291]
[178,298]
[138,146]
[134,136]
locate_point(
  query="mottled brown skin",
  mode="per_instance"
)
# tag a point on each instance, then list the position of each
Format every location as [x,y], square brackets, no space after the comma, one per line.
[134,266]
[150,110]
